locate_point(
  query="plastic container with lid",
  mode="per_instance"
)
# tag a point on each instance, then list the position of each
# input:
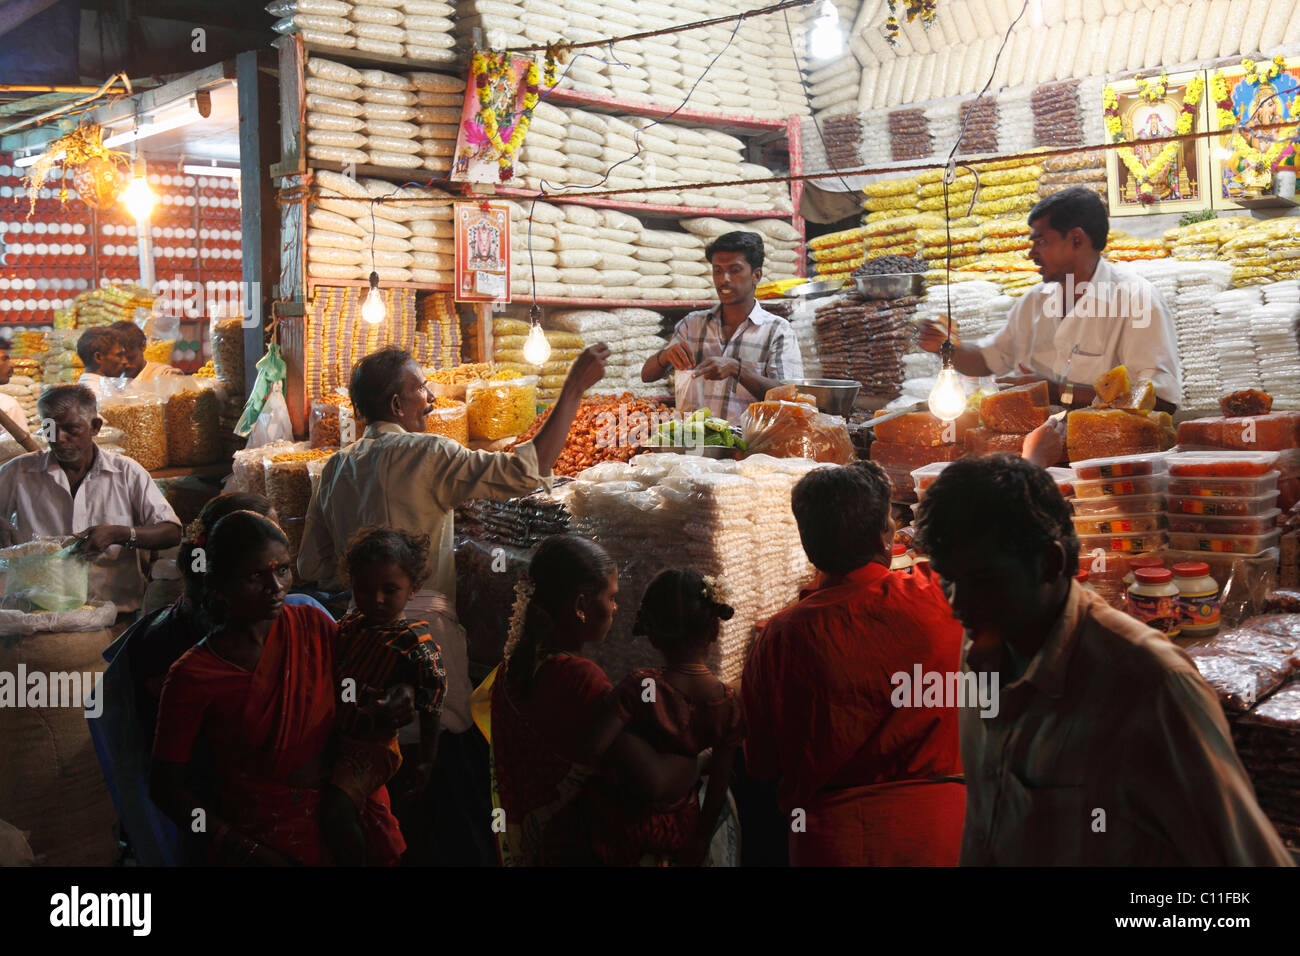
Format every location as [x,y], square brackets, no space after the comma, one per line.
[1141,561]
[1225,524]
[1225,487]
[1120,487]
[1126,543]
[1121,466]
[1222,507]
[1153,600]
[901,560]
[1119,524]
[1225,543]
[1222,464]
[1124,505]
[1198,599]
[925,475]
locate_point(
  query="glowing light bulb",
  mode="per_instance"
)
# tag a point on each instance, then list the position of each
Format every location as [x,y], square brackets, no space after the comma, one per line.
[947,398]
[373,309]
[139,199]
[826,39]
[536,349]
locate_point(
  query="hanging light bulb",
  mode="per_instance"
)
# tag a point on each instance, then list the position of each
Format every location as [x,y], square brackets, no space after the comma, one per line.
[139,198]
[826,40]
[373,309]
[536,349]
[948,397]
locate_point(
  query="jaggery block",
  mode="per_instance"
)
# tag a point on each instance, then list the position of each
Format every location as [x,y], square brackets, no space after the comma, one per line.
[1248,401]
[1016,410]
[1141,398]
[899,457]
[1105,432]
[1111,385]
[985,441]
[923,428]
[1276,431]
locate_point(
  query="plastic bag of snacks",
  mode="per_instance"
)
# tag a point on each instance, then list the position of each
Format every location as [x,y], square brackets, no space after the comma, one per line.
[160,351]
[288,482]
[333,423]
[39,576]
[228,350]
[453,382]
[248,473]
[192,413]
[501,409]
[142,421]
[450,419]
[796,430]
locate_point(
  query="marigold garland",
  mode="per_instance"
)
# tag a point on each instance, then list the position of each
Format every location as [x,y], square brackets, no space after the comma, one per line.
[924,9]
[488,70]
[1145,175]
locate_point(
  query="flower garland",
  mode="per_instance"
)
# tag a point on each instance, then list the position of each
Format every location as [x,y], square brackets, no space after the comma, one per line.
[1146,175]
[523,597]
[489,69]
[716,590]
[925,9]
[1153,92]
[1283,144]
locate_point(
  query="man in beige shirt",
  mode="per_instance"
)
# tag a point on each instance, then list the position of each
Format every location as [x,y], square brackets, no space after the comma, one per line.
[398,476]
[1107,748]
[133,342]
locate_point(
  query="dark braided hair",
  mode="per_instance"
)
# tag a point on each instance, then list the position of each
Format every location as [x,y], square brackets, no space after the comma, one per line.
[196,535]
[563,567]
[409,552]
[1013,505]
[677,611]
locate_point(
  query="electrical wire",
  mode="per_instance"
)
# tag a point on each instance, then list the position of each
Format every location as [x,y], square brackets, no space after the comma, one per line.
[807,95]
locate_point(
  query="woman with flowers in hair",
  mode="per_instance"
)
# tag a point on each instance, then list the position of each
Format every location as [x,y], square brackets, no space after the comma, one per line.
[680,708]
[560,784]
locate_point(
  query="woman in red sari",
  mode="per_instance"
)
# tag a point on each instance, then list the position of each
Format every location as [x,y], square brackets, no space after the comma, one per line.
[258,693]
[560,789]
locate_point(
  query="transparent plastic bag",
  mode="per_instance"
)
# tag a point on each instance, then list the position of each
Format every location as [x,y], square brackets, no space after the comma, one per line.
[333,424]
[501,409]
[39,577]
[91,618]
[450,419]
[273,422]
[797,430]
[141,419]
[192,417]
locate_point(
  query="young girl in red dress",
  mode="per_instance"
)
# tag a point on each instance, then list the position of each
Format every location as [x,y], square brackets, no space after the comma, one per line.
[680,708]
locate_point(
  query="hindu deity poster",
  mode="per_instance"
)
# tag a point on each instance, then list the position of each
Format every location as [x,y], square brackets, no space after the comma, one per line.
[1252,103]
[1150,174]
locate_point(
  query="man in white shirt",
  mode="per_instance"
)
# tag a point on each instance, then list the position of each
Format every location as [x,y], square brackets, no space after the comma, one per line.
[107,500]
[133,342]
[101,352]
[1087,316]
[8,404]
[729,356]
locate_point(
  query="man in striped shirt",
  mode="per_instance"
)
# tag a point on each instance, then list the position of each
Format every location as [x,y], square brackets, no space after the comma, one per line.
[729,356]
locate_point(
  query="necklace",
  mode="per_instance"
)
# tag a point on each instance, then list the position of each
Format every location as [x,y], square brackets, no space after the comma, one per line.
[691,669]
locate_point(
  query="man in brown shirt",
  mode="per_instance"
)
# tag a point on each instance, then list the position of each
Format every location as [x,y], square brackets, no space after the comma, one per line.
[1108,748]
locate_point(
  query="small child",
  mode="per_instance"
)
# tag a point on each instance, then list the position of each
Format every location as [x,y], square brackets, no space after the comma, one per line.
[681,708]
[379,650]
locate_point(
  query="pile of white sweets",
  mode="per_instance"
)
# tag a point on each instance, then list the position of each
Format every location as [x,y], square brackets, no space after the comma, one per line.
[728,520]
[567,146]
[415,29]
[348,236]
[373,117]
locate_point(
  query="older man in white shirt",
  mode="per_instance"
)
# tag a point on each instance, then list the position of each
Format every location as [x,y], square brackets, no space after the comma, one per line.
[107,500]
[1087,316]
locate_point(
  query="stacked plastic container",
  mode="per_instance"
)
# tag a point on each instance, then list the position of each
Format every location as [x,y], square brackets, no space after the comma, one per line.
[1119,509]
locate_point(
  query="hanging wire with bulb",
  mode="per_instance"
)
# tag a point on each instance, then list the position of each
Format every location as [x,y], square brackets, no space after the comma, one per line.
[373,309]
[947,398]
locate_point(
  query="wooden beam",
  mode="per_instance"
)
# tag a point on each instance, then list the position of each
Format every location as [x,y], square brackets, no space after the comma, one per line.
[259,217]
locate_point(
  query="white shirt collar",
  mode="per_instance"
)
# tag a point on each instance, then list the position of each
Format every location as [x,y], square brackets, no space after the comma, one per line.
[758,315]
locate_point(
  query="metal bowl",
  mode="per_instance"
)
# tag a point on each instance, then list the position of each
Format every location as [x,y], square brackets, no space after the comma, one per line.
[815,289]
[893,286]
[835,396]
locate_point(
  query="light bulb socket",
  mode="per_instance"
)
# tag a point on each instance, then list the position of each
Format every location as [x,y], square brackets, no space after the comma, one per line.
[374,281]
[535,314]
[947,352]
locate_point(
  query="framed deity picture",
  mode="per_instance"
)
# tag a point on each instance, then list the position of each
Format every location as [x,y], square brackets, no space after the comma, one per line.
[1144,179]
[1255,97]
[482,252]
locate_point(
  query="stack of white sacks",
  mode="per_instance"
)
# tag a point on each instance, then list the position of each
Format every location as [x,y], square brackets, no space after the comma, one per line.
[780,242]
[579,148]
[1276,344]
[729,520]
[404,121]
[834,87]
[1190,289]
[632,335]
[756,76]
[414,29]
[349,236]
[1234,311]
